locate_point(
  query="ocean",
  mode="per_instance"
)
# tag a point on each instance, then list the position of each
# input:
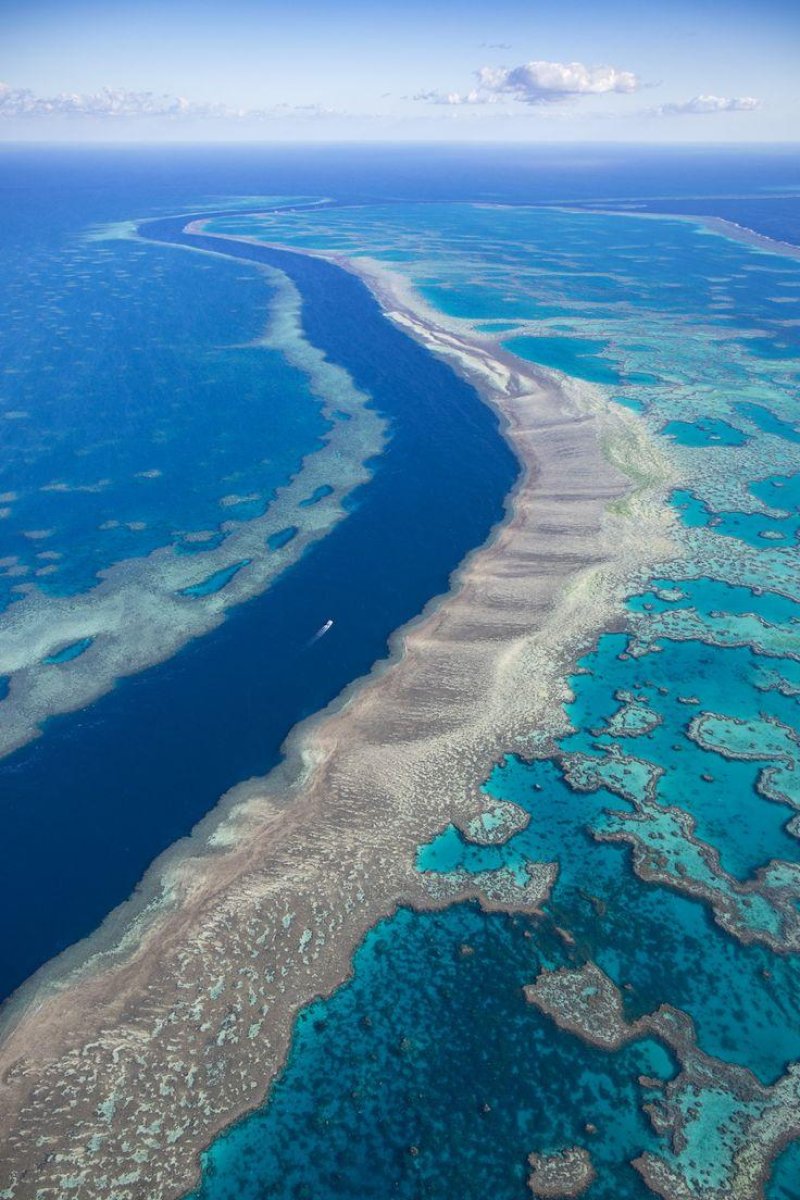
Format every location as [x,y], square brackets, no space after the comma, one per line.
[428,1073]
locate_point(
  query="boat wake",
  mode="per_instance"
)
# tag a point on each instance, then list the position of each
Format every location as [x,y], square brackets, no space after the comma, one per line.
[323,629]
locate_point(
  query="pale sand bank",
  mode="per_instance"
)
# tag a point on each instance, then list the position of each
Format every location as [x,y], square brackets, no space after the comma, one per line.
[184,1014]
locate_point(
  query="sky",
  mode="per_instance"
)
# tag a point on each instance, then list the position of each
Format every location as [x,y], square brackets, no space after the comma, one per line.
[406,70]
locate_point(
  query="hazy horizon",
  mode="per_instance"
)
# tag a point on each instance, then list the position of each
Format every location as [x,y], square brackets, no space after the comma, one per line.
[252,72]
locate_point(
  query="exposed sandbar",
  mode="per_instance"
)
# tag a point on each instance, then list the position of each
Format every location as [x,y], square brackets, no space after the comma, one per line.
[177,1015]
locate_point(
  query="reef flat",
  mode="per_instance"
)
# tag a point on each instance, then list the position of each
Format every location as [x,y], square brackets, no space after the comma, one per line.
[119,1071]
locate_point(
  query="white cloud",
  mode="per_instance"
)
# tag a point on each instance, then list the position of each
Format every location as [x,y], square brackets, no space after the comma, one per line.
[538,82]
[700,105]
[119,103]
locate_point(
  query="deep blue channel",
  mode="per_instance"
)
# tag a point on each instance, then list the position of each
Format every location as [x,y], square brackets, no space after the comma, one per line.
[117,783]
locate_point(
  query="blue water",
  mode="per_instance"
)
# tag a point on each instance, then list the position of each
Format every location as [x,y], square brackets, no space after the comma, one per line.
[773,216]
[711,595]
[318,494]
[74,650]
[706,432]
[783,1185]
[132,402]
[216,582]
[768,421]
[219,711]
[282,538]
[427,1074]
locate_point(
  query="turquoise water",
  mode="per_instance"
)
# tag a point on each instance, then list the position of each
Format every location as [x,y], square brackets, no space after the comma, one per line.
[704,433]
[378,1100]
[573,356]
[674,790]
[756,529]
[783,1185]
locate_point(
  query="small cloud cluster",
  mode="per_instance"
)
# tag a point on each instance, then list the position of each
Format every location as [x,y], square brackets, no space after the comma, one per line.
[700,105]
[119,103]
[538,82]
[108,102]
[456,98]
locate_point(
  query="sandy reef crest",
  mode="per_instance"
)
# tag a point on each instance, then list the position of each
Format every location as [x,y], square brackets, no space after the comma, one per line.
[122,1062]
